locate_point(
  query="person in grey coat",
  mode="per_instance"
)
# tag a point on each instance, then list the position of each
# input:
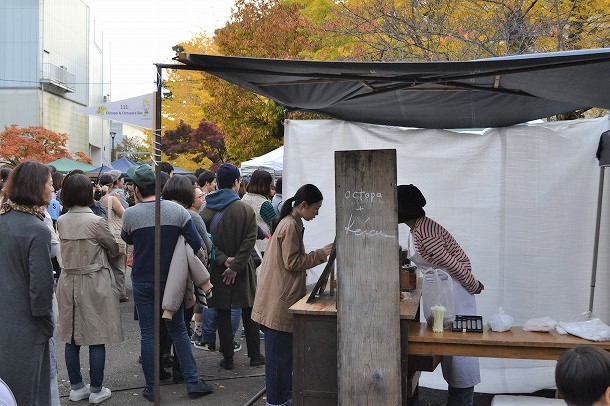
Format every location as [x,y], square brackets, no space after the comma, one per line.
[26,284]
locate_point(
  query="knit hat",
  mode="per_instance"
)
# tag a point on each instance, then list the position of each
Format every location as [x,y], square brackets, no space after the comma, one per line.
[115,174]
[411,201]
[226,174]
[143,176]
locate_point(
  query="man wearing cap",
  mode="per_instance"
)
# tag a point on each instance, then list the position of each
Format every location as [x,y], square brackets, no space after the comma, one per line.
[431,245]
[139,230]
[232,224]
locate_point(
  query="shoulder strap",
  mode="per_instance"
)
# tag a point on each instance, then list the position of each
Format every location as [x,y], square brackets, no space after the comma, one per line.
[216,219]
[110,211]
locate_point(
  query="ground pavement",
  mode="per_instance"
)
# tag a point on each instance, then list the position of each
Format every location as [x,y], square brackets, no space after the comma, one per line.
[123,375]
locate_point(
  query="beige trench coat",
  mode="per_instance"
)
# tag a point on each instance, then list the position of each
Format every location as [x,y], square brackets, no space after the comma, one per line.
[282,279]
[88,306]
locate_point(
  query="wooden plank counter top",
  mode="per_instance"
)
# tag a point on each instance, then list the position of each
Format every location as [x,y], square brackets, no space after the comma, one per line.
[515,343]
[326,305]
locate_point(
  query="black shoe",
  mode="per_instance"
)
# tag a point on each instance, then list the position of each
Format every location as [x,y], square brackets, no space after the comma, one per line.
[178,378]
[227,363]
[163,375]
[149,394]
[199,388]
[257,361]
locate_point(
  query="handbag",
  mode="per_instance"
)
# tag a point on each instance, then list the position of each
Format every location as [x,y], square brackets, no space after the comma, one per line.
[122,244]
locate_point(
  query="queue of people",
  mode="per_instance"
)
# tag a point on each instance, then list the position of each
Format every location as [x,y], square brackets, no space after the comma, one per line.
[226,225]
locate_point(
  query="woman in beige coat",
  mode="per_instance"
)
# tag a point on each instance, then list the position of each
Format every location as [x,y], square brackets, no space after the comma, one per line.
[88,307]
[281,284]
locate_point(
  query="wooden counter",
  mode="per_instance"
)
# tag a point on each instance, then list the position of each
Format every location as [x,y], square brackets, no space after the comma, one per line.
[315,349]
[515,343]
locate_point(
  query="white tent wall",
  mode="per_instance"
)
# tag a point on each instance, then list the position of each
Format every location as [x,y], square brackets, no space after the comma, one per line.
[521,201]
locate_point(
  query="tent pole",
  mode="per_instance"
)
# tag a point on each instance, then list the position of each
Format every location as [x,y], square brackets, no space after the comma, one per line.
[600,196]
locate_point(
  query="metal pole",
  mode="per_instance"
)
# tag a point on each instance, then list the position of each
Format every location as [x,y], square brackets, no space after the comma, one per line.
[600,196]
[157,299]
[112,135]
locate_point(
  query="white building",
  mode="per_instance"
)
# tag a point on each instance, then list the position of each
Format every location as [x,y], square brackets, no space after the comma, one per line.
[52,63]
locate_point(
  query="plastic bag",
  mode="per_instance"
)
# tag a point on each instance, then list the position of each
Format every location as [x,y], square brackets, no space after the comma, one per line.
[500,321]
[438,290]
[545,324]
[586,326]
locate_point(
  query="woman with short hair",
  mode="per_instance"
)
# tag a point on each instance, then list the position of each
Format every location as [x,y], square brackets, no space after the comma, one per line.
[257,197]
[88,310]
[26,284]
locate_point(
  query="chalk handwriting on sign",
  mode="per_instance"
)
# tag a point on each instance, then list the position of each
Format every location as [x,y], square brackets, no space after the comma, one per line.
[358,228]
[363,196]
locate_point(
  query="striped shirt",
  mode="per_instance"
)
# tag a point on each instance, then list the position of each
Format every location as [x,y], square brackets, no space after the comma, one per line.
[437,246]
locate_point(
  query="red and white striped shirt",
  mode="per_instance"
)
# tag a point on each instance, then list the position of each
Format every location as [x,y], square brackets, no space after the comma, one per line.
[437,246]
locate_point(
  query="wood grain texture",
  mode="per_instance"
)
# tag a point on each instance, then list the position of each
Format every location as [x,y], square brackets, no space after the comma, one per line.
[515,343]
[368,362]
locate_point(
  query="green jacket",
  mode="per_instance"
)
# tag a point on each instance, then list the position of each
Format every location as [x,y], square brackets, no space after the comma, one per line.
[233,236]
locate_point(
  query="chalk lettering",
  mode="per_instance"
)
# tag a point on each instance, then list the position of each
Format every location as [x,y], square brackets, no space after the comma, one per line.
[351,229]
[363,196]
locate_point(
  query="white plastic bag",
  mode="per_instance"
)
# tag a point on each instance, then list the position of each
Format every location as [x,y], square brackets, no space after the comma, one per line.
[500,321]
[545,324]
[437,290]
[586,326]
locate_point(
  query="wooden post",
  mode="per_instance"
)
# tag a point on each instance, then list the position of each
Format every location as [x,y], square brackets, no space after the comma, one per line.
[368,329]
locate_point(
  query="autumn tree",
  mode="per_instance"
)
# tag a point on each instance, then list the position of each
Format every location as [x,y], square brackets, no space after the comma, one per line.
[134,148]
[34,143]
[206,142]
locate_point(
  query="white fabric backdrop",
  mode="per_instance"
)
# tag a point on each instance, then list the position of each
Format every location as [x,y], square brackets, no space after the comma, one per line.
[521,201]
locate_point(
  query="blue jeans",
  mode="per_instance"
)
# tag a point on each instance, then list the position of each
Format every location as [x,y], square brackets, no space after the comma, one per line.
[278,365]
[208,326]
[143,295]
[460,396]
[97,363]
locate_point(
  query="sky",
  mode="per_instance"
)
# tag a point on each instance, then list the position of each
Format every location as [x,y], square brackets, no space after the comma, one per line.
[139,33]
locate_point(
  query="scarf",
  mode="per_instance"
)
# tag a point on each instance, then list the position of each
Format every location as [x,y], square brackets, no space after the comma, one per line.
[8,205]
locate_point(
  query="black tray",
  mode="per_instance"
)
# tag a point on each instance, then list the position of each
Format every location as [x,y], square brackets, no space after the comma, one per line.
[468,324]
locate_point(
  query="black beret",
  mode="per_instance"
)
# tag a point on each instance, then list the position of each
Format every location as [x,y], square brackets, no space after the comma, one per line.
[410,196]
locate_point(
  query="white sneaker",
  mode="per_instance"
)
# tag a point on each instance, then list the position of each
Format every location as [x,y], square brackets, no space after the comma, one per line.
[79,394]
[100,396]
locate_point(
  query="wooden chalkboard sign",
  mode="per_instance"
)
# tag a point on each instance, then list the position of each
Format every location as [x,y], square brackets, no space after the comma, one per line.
[368,362]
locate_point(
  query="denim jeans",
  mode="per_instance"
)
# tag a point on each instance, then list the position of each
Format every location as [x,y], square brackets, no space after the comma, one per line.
[208,326]
[460,396]
[143,295]
[278,365]
[97,362]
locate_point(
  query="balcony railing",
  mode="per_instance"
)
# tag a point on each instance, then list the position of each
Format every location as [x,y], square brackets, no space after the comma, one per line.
[58,76]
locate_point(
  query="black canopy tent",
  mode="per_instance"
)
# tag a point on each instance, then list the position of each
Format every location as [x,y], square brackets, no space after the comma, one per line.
[495,92]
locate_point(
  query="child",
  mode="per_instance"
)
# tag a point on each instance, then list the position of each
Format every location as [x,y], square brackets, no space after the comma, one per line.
[582,376]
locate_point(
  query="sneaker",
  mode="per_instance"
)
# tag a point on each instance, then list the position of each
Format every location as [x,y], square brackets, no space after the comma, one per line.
[149,394]
[99,397]
[227,363]
[163,374]
[195,337]
[200,388]
[236,346]
[205,346]
[257,361]
[80,394]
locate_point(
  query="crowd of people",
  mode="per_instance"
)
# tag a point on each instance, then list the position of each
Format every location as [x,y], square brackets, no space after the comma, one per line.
[232,249]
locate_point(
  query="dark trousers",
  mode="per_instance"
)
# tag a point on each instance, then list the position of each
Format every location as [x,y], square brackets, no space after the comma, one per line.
[188,314]
[97,363]
[459,396]
[278,366]
[225,332]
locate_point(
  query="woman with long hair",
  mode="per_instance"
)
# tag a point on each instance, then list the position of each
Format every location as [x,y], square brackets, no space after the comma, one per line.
[88,309]
[111,202]
[26,284]
[282,284]
[257,196]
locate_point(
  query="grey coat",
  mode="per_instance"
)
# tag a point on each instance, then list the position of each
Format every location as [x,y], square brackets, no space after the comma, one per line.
[26,290]
[88,306]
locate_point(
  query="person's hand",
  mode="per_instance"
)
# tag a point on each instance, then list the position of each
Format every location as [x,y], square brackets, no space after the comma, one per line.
[480,288]
[228,277]
[228,261]
[327,249]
